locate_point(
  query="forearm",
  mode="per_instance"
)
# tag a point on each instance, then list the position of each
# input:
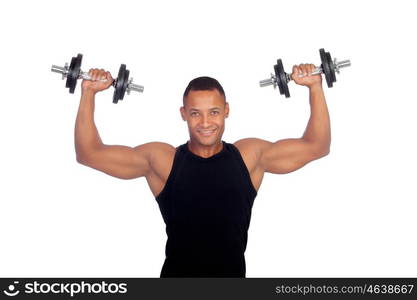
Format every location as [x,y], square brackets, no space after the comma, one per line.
[86,135]
[318,127]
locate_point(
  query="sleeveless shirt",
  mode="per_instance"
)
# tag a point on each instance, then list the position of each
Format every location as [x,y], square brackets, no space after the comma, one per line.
[206,204]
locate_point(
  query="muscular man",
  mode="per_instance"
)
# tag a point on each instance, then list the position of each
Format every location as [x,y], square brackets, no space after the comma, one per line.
[206,187]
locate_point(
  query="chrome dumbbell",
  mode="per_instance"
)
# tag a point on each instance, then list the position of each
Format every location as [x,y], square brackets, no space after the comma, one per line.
[328,66]
[72,73]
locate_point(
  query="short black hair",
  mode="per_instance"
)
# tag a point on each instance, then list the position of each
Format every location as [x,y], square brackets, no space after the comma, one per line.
[203,83]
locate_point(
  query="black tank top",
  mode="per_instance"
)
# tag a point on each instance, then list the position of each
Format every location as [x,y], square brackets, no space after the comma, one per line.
[206,205]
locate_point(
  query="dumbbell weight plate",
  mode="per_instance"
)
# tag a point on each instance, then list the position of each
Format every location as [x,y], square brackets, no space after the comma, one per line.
[326,66]
[332,70]
[281,78]
[73,73]
[125,83]
[121,83]
[70,82]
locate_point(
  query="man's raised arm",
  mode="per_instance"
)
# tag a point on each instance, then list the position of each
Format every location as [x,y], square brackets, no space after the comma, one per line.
[288,155]
[118,161]
[317,131]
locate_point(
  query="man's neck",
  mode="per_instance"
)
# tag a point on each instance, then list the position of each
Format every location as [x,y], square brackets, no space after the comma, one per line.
[205,151]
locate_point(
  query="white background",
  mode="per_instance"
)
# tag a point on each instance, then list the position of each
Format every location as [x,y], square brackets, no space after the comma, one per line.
[351,213]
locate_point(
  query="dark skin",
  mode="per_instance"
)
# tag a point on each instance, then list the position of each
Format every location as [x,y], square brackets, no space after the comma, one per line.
[205,113]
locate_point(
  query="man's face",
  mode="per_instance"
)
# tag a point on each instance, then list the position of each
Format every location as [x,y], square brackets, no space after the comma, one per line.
[205,113]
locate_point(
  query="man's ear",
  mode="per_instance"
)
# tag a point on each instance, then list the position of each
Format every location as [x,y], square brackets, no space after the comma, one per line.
[182,111]
[227,109]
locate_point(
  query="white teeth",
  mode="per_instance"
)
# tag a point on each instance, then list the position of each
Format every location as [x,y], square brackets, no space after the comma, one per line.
[206,131]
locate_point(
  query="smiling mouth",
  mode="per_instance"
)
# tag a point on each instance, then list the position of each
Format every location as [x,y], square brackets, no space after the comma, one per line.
[206,132]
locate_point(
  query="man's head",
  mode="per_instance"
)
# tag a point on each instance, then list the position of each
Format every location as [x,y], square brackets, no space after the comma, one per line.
[205,110]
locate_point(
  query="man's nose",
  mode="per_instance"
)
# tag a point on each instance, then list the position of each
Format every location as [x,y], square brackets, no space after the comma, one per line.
[204,121]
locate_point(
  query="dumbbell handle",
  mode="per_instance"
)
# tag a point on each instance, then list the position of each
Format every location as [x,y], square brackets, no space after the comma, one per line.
[84,75]
[337,66]
[64,72]
[318,70]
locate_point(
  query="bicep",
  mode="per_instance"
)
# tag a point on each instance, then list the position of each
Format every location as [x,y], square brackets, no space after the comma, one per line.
[121,161]
[287,155]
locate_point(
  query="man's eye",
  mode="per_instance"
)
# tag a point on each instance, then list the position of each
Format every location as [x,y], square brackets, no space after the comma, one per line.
[194,113]
[215,112]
